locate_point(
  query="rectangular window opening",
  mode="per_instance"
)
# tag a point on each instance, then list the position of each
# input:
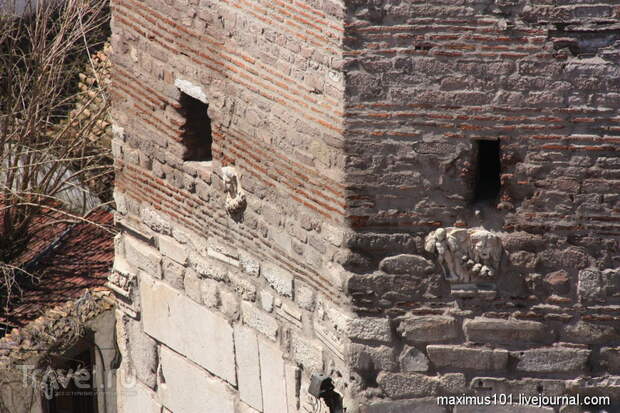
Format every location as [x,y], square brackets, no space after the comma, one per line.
[488,170]
[197,129]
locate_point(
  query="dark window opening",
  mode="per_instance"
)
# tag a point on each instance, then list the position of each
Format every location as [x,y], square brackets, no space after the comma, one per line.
[72,394]
[197,129]
[487,185]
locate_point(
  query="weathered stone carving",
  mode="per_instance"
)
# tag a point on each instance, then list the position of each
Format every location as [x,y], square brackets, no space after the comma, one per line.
[235,198]
[466,255]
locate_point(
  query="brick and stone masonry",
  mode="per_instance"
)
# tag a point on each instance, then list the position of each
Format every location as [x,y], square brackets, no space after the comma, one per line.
[416,198]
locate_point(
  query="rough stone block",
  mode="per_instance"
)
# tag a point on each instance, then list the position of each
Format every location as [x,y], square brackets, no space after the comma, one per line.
[172,249]
[248,367]
[210,293]
[460,357]
[304,295]
[400,385]
[208,269]
[137,399]
[308,353]
[266,300]
[142,353]
[173,273]
[259,320]
[292,375]
[279,279]
[244,288]
[370,329]
[249,264]
[189,328]
[426,405]
[588,333]
[413,360]
[590,286]
[552,360]
[491,330]
[332,234]
[428,329]
[192,283]
[272,377]
[183,387]
[610,359]
[406,264]
[368,358]
[526,386]
[143,256]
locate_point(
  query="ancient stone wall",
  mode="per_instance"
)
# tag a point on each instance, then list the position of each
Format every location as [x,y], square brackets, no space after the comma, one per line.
[336,226]
[425,82]
[228,289]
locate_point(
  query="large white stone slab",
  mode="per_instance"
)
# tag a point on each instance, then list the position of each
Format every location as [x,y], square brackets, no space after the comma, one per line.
[272,378]
[188,327]
[133,397]
[188,389]
[248,367]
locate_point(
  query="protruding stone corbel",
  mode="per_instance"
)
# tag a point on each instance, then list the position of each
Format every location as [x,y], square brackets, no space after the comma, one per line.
[235,198]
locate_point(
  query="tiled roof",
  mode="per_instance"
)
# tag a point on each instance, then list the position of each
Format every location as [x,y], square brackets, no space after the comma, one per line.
[66,259]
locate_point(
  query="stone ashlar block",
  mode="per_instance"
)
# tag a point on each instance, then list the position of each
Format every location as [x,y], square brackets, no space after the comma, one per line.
[401,385]
[248,367]
[202,335]
[461,357]
[406,264]
[142,353]
[491,330]
[428,329]
[272,378]
[552,360]
[588,333]
[610,359]
[172,249]
[370,329]
[259,320]
[143,256]
[279,279]
[413,360]
[176,393]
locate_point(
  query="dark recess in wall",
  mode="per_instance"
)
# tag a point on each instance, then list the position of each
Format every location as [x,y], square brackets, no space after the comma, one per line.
[197,129]
[488,169]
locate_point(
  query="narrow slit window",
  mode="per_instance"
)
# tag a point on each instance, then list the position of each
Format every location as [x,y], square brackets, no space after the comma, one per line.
[197,129]
[487,185]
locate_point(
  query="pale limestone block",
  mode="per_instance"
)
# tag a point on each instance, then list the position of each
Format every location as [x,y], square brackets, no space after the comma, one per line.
[143,256]
[172,249]
[249,264]
[189,328]
[373,329]
[136,398]
[208,269]
[272,378]
[185,388]
[259,320]
[279,279]
[308,353]
[192,284]
[292,375]
[248,366]
[191,89]
[266,300]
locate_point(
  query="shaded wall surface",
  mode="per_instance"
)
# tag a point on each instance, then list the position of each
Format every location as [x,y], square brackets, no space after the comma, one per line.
[345,141]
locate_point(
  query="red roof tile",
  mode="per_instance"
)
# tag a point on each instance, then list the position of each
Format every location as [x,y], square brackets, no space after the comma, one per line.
[66,259]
